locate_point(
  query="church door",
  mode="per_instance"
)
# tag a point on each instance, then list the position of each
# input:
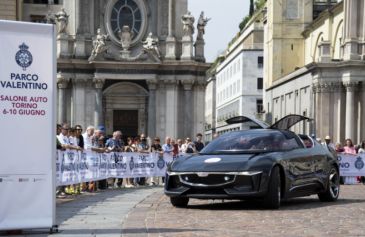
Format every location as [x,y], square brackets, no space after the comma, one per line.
[126,121]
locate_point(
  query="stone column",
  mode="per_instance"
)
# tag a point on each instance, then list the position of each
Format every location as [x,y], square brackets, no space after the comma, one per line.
[170,40]
[98,112]
[325,110]
[62,84]
[338,110]
[79,102]
[350,110]
[363,33]
[317,103]
[351,30]
[362,111]
[82,28]
[152,86]
[189,107]
[199,105]
[171,107]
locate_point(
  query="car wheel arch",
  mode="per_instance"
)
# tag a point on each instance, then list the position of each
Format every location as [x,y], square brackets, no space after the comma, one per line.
[282,178]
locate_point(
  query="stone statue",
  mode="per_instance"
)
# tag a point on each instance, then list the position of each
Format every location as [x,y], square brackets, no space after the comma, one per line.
[188,21]
[202,22]
[62,19]
[51,18]
[99,45]
[126,37]
[150,44]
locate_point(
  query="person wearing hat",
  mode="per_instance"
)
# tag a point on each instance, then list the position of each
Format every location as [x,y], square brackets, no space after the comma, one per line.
[327,142]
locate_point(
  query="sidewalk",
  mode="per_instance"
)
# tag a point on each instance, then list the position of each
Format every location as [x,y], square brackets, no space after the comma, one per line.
[96,214]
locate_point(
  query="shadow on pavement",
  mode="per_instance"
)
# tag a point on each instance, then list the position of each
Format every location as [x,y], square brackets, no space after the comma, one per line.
[85,200]
[158,230]
[291,204]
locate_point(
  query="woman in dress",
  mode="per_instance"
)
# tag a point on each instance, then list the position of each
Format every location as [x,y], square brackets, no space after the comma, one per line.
[349,148]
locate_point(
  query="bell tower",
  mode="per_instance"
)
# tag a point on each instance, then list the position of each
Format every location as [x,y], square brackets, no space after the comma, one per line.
[284,42]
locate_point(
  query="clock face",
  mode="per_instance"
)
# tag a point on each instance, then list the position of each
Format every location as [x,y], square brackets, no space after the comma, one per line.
[126,12]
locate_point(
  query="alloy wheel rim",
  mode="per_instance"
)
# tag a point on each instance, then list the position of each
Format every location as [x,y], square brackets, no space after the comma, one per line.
[334,183]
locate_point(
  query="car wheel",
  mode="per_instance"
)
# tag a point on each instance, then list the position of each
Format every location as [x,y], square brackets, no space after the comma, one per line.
[179,201]
[273,196]
[333,187]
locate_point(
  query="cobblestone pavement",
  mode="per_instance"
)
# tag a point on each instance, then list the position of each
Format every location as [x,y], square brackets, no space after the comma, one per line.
[93,214]
[297,217]
[148,212]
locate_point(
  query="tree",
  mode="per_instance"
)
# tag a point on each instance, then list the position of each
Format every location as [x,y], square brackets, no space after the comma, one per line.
[259,4]
[251,8]
[244,22]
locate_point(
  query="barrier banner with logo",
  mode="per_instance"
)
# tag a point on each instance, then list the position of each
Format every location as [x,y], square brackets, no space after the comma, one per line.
[27,108]
[76,167]
[351,165]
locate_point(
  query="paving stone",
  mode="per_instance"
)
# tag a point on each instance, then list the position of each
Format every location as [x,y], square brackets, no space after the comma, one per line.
[297,217]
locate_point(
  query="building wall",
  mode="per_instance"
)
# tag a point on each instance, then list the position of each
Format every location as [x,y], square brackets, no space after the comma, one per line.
[328,29]
[236,77]
[293,97]
[333,74]
[210,109]
[237,91]
[284,42]
[8,10]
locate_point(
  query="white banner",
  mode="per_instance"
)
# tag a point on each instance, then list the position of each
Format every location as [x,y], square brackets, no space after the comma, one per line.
[351,165]
[27,120]
[76,167]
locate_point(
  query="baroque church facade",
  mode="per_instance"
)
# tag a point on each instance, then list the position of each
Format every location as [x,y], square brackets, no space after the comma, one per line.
[131,65]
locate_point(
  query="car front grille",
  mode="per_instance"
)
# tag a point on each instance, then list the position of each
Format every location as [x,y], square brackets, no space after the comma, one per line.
[206,179]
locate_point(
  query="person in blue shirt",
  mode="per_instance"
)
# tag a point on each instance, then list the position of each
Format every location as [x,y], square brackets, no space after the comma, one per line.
[168,147]
[115,143]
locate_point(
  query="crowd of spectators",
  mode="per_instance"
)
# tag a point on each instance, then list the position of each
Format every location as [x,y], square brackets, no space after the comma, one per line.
[347,148]
[96,140]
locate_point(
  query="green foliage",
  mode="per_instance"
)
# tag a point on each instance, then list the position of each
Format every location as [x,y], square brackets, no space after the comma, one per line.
[259,4]
[244,22]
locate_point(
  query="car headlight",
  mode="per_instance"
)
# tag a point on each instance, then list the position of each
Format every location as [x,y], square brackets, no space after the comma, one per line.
[248,173]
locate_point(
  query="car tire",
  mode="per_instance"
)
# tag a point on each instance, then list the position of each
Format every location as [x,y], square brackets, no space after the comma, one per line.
[179,201]
[273,196]
[333,187]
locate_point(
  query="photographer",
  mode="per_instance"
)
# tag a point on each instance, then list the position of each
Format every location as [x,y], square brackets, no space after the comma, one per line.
[188,146]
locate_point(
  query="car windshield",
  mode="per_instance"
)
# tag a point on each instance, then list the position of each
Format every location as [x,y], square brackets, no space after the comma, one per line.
[251,141]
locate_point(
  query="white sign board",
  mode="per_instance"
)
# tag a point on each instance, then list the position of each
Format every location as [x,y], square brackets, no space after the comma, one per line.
[351,165]
[27,124]
[73,167]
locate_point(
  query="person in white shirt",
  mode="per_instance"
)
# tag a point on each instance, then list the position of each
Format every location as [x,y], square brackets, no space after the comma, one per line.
[327,142]
[88,137]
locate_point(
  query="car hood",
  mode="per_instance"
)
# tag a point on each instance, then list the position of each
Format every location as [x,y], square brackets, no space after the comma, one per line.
[211,163]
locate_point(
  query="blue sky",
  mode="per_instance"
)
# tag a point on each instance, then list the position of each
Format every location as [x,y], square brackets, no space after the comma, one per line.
[226,16]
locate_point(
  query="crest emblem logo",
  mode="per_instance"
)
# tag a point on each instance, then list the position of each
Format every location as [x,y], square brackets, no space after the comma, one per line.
[160,162]
[131,164]
[359,163]
[23,57]
[71,156]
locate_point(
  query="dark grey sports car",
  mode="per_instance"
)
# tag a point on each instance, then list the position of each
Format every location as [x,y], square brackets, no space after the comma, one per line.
[269,163]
